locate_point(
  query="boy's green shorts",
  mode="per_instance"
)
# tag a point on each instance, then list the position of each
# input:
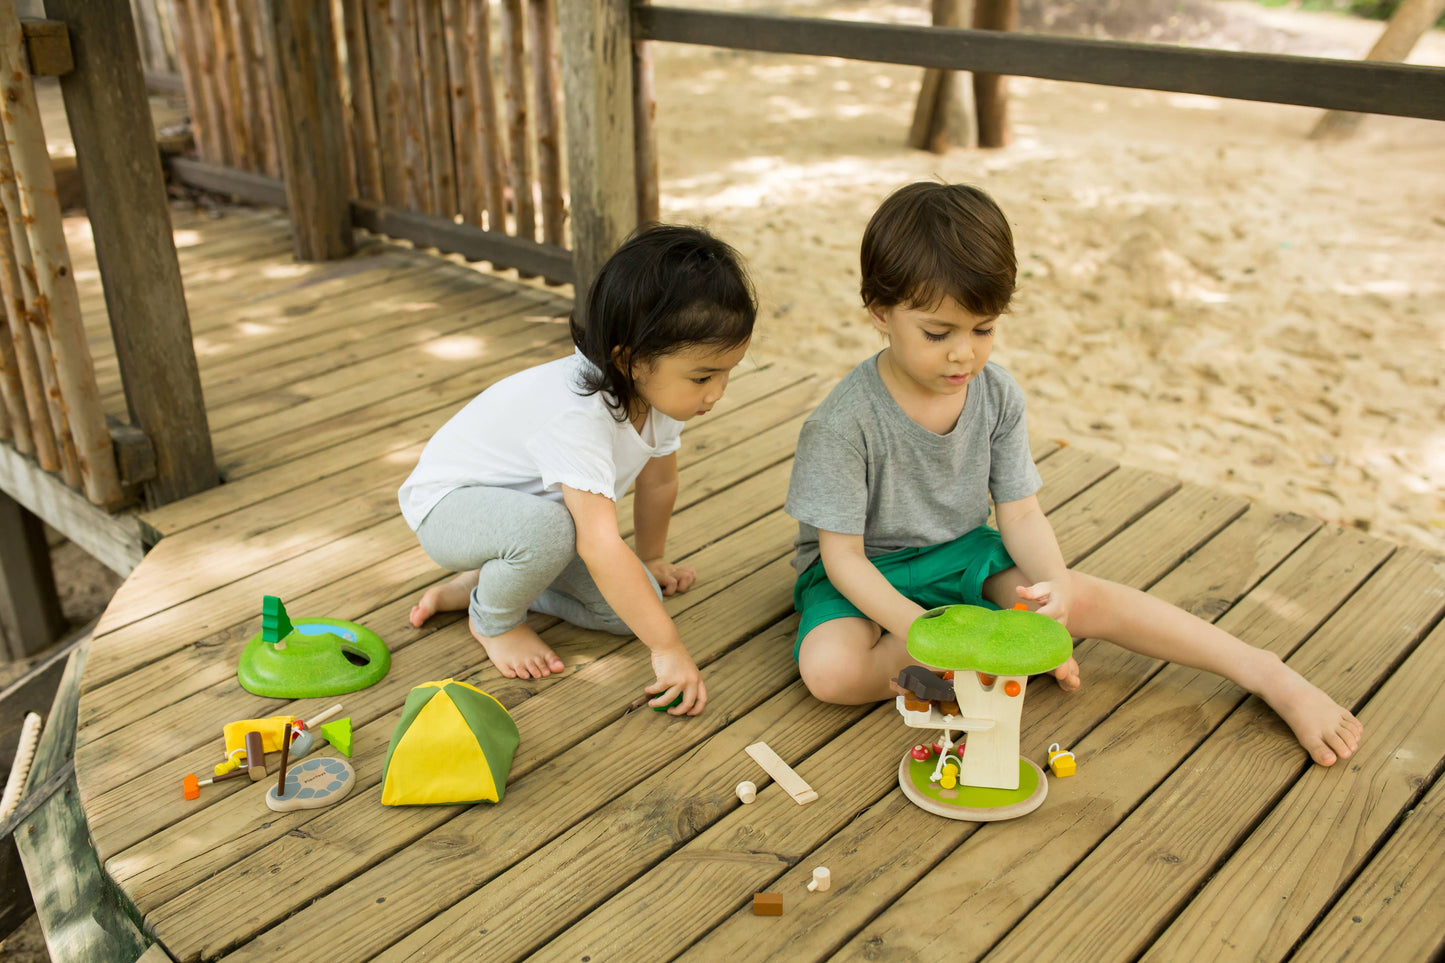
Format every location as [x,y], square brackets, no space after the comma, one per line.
[932,575]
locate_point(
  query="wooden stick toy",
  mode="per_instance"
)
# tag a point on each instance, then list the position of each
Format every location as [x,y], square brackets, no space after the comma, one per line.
[285,749]
[793,784]
[191,787]
[321,717]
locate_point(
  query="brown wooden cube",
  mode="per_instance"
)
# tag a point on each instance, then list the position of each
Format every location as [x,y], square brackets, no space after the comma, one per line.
[767,904]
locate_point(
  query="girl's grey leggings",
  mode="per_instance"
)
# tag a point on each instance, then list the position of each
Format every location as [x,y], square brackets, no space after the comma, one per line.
[526,549]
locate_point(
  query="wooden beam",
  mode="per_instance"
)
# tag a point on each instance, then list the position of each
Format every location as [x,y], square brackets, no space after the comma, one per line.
[596,40]
[473,243]
[1407,24]
[301,49]
[110,121]
[48,44]
[30,619]
[112,539]
[1406,91]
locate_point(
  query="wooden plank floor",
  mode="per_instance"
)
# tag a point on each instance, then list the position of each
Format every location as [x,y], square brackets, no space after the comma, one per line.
[1194,829]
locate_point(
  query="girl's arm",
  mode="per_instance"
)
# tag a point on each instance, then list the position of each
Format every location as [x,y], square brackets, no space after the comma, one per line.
[1030,541]
[652,501]
[623,583]
[861,583]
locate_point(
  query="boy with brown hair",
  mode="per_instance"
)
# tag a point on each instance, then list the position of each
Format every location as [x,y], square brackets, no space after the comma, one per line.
[895,468]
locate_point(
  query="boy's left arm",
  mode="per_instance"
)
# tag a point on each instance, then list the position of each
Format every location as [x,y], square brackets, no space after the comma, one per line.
[1031,544]
[652,501]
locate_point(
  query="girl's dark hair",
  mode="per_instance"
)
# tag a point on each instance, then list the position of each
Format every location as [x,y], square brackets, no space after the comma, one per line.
[929,240]
[667,288]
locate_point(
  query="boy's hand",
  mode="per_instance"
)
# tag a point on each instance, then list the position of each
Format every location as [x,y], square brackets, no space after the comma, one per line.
[1054,599]
[676,672]
[671,578]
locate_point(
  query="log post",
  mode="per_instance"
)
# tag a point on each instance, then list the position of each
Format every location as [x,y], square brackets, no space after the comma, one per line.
[644,116]
[479,46]
[110,121]
[363,107]
[30,618]
[941,118]
[1407,24]
[431,44]
[191,79]
[990,91]
[596,40]
[301,49]
[514,73]
[17,288]
[59,302]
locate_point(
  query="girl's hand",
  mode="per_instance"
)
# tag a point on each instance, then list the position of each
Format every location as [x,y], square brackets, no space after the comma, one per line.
[671,578]
[1054,599]
[676,672]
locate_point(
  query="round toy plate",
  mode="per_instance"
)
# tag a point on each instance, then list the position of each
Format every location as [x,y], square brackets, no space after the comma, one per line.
[319,781]
[970,802]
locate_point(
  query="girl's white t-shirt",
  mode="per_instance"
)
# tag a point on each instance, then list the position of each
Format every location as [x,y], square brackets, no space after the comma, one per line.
[534,432]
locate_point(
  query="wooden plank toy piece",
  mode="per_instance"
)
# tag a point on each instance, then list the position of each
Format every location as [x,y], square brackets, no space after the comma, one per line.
[319,781]
[793,784]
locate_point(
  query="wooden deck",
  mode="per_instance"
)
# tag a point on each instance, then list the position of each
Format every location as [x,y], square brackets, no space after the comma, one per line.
[1194,829]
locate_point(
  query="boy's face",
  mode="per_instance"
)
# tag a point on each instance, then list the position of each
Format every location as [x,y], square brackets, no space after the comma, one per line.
[940,349]
[686,383]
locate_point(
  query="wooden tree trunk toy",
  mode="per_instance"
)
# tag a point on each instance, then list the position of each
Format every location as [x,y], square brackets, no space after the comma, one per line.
[310,657]
[991,654]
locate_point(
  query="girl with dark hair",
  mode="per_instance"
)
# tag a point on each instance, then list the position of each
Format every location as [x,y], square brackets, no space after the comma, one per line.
[519,490]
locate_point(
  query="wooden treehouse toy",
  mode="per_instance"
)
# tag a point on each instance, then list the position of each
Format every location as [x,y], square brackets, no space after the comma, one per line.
[989,656]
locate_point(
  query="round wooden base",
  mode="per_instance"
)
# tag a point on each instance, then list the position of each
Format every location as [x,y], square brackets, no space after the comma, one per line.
[970,802]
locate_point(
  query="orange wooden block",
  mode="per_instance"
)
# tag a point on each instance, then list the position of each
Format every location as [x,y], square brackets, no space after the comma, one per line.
[914,704]
[767,904]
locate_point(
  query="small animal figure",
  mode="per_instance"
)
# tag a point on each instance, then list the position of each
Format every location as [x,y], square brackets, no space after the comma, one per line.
[924,684]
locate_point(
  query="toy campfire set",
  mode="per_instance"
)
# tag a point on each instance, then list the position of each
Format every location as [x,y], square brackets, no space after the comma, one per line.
[988,657]
[453,744]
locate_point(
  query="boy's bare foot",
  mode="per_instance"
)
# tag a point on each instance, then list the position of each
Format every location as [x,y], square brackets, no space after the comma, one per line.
[451,597]
[1068,675]
[519,653]
[1327,730]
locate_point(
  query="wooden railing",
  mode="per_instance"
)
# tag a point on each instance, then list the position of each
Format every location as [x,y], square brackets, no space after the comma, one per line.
[52,405]
[452,111]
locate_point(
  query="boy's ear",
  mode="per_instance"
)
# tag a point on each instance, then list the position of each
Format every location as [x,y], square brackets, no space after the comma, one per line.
[878,316]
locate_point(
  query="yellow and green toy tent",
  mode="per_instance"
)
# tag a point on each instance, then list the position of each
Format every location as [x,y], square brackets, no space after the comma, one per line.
[454,744]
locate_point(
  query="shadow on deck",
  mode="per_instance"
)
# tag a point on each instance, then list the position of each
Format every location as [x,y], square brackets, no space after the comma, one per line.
[1195,826]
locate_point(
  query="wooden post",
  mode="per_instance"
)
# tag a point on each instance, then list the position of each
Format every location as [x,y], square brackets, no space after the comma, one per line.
[410,119]
[601,149]
[524,209]
[105,98]
[17,279]
[196,15]
[59,303]
[301,49]
[542,30]
[249,76]
[386,97]
[436,99]
[990,93]
[644,115]
[479,45]
[30,618]
[1407,24]
[191,78]
[270,141]
[14,288]
[466,155]
[363,106]
[228,85]
[16,423]
[941,118]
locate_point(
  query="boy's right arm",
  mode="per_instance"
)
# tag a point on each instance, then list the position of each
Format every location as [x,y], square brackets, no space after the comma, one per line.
[852,574]
[623,582]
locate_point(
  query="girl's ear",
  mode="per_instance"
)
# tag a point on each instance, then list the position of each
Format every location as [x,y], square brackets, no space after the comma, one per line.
[620,358]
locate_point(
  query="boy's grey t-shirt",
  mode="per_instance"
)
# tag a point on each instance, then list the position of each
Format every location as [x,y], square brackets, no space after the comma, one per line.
[864,467]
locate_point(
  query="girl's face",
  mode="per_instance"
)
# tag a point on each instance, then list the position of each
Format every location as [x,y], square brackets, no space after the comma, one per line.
[686,383]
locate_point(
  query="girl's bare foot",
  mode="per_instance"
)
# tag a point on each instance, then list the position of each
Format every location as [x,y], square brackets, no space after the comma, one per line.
[1327,730]
[451,597]
[519,653]
[1068,675]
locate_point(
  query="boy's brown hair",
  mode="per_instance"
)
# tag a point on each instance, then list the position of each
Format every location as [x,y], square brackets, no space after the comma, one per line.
[929,240]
